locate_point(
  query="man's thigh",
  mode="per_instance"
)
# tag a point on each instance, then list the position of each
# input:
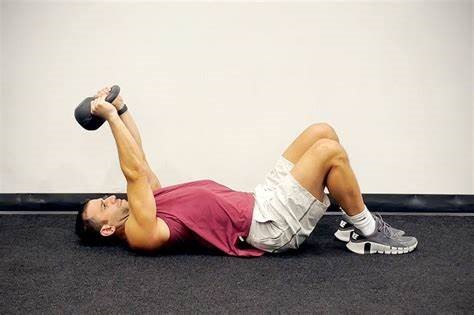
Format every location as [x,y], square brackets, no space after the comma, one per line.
[313,167]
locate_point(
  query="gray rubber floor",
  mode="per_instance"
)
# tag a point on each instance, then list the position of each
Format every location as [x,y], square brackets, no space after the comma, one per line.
[44,270]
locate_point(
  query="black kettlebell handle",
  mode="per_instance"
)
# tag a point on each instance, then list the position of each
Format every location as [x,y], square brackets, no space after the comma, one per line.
[83,110]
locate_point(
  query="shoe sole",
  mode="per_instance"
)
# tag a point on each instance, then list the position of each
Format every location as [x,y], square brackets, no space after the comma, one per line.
[343,235]
[364,248]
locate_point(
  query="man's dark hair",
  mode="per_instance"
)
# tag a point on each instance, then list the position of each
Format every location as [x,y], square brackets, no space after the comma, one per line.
[88,230]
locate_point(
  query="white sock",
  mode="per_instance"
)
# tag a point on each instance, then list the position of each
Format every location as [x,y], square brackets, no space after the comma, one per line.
[363,221]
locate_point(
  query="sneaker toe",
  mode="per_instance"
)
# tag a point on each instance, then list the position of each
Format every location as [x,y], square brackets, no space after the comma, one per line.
[407,241]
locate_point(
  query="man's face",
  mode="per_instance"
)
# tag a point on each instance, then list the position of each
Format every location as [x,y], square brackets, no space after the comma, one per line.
[109,210]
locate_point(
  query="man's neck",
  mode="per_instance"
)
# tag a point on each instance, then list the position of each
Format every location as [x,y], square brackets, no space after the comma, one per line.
[120,232]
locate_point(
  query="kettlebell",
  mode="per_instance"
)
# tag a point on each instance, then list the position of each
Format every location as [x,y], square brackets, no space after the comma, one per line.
[83,111]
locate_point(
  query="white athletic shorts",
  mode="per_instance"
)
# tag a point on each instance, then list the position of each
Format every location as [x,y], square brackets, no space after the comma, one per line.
[285,213]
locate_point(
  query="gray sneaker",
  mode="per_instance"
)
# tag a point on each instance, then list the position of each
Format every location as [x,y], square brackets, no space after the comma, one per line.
[345,229]
[382,241]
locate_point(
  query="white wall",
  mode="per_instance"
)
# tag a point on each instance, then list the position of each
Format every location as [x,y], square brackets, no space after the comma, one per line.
[2,123]
[220,89]
[472,94]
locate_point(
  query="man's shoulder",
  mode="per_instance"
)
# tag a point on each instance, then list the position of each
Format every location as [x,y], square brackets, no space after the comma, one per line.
[146,239]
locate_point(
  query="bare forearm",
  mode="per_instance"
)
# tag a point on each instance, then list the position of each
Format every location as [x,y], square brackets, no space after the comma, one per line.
[131,155]
[132,127]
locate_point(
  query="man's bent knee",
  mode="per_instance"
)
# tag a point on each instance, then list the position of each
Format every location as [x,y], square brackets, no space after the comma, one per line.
[323,130]
[327,146]
[330,150]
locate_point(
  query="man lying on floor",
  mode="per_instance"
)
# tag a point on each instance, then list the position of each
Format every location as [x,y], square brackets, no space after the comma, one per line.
[279,215]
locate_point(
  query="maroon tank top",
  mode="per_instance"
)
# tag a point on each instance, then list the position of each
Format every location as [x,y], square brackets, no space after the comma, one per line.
[206,214]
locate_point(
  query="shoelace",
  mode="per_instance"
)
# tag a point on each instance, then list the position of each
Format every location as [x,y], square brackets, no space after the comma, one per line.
[384,226]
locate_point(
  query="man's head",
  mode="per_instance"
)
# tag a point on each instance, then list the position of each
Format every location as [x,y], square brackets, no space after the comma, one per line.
[102,220]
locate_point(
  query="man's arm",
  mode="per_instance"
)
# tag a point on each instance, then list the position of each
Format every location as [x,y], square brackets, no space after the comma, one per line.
[142,231]
[140,197]
[132,127]
[131,156]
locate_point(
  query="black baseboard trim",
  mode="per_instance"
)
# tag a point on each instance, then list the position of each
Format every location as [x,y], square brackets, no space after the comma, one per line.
[375,202]
[48,202]
[416,203]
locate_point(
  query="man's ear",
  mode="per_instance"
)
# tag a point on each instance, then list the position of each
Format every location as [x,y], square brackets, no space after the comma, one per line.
[107,230]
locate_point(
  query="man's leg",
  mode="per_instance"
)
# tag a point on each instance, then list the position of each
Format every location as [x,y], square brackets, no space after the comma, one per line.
[343,178]
[307,138]
[325,163]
